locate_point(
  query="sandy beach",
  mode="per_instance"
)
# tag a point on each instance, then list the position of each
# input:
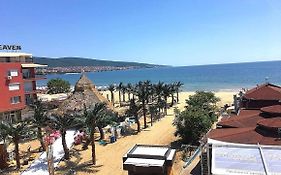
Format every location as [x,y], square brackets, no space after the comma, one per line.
[109,157]
[226,97]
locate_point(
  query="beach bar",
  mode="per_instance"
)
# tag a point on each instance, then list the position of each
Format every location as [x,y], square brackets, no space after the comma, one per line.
[149,159]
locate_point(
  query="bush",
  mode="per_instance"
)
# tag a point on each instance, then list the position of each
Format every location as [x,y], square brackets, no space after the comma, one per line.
[58,85]
[197,118]
[192,124]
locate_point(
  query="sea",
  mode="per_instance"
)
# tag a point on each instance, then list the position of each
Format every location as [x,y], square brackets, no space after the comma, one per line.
[219,77]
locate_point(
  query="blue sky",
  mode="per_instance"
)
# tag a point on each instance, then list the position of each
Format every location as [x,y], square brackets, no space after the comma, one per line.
[173,32]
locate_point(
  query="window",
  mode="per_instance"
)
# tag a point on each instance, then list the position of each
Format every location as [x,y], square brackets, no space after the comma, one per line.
[28,86]
[14,86]
[15,100]
[26,73]
[13,73]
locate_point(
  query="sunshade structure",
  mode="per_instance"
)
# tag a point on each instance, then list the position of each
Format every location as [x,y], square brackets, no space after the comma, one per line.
[84,93]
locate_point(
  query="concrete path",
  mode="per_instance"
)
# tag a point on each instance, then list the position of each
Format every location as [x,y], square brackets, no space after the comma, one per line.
[40,166]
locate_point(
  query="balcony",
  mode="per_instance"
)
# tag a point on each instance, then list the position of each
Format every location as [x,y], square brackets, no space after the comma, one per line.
[30,79]
[28,76]
[31,92]
[29,88]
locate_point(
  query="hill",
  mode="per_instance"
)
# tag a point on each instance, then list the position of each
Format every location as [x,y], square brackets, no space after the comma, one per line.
[78,61]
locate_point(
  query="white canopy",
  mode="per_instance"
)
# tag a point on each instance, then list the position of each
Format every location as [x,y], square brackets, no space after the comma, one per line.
[234,159]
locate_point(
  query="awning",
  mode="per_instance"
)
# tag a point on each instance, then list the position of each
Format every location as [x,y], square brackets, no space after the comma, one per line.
[14,54]
[144,162]
[30,65]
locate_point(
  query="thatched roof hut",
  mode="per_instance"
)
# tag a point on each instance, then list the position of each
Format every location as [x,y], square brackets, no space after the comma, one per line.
[84,93]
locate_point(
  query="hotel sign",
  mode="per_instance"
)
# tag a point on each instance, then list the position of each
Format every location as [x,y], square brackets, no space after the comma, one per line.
[10,47]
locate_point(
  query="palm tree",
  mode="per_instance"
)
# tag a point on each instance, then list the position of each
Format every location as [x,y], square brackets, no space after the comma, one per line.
[158,91]
[133,111]
[133,90]
[161,105]
[123,90]
[173,90]
[119,87]
[147,86]
[39,121]
[15,131]
[129,90]
[91,120]
[63,123]
[166,93]
[108,118]
[111,88]
[152,111]
[177,88]
[142,96]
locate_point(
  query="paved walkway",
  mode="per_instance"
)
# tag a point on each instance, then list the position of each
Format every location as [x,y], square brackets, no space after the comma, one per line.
[40,166]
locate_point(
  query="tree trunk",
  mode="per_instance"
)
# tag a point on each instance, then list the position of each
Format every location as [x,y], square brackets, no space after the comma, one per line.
[172,104]
[40,138]
[138,122]
[101,133]
[112,98]
[165,107]
[87,143]
[124,97]
[93,145]
[66,151]
[159,113]
[151,119]
[16,142]
[144,113]
[120,97]
[177,96]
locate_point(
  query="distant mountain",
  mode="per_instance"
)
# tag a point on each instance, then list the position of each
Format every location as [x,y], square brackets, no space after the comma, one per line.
[77,61]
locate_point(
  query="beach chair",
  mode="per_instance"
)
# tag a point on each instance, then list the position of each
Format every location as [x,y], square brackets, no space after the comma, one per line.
[102,142]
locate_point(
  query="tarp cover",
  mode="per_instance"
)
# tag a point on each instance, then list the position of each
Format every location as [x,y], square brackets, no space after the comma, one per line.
[234,159]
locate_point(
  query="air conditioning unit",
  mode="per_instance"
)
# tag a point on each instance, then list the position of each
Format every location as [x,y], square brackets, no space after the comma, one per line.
[9,77]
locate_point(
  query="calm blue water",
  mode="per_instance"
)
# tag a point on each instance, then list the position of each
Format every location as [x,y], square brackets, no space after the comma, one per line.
[209,77]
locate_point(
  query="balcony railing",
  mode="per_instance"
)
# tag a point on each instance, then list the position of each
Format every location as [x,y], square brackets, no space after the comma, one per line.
[30,78]
[31,92]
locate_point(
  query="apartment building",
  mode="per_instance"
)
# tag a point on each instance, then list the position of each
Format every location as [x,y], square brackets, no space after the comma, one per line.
[17,84]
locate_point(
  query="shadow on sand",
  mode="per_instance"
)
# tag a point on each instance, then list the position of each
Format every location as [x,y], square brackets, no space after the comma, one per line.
[73,166]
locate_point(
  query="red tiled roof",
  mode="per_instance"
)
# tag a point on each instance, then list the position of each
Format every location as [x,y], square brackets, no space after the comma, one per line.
[243,135]
[271,123]
[276,109]
[253,126]
[264,92]
[246,118]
